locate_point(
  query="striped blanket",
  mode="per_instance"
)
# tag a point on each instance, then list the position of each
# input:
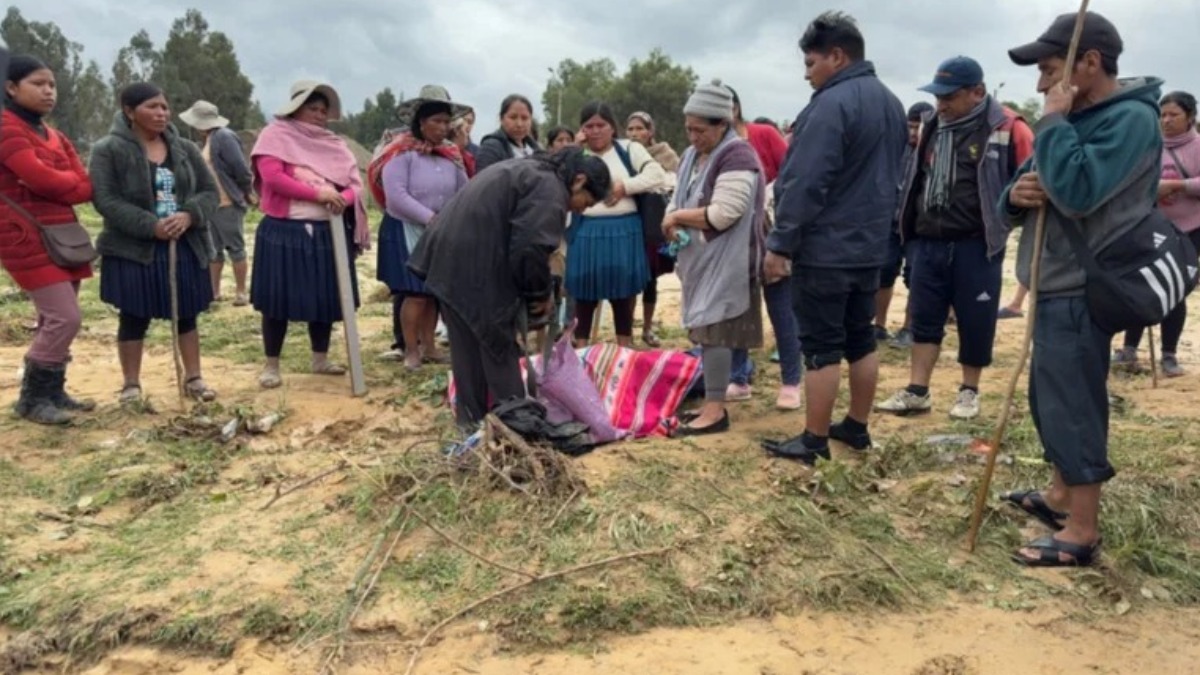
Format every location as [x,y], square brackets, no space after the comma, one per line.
[641,390]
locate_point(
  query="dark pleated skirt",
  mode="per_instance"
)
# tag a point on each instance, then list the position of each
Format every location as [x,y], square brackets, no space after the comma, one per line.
[294,277]
[145,290]
[606,258]
[392,268]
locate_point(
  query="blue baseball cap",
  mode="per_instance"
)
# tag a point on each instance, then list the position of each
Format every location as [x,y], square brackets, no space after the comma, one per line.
[953,74]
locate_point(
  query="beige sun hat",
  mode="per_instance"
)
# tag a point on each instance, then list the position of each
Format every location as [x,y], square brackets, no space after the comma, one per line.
[300,92]
[430,93]
[203,116]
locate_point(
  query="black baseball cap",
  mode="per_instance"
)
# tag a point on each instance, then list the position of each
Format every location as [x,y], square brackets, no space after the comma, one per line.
[1098,34]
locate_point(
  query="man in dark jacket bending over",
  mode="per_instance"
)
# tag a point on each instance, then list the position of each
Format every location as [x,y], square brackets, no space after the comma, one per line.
[835,199]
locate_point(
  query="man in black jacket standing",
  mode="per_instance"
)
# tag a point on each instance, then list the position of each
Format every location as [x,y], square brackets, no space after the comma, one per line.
[835,199]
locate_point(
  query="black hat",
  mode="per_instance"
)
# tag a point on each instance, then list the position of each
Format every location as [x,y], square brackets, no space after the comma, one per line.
[1098,34]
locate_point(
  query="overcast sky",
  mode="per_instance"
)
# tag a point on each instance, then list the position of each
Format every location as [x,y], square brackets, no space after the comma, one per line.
[484,49]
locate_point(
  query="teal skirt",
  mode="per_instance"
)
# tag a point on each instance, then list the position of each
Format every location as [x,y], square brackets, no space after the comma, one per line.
[606,258]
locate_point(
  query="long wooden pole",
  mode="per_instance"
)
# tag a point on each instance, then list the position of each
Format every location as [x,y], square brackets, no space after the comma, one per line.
[1153,356]
[176,351]
[1039,236]
[342,262]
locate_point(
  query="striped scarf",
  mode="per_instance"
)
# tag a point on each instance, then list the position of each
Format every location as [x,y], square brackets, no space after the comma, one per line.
[944,171]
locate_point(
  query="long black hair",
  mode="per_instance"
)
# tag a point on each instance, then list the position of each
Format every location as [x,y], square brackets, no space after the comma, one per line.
[571,162]
[594,108]
[557,131]
[424,112]
[138,93]
[21,66]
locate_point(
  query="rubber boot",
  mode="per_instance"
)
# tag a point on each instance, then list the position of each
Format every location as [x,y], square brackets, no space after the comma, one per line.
[37,390]
[62,399]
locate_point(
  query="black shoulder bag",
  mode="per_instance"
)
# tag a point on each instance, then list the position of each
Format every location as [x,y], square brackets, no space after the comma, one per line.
[1138,279]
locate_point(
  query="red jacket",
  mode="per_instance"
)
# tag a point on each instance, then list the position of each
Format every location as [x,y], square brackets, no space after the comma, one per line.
[770,146]
[45,176]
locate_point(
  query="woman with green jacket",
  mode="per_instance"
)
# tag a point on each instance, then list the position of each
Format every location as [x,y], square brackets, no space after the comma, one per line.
[153,188]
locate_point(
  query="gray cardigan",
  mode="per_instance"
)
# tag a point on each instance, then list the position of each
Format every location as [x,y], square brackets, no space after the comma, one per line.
[230,166]
[124,194]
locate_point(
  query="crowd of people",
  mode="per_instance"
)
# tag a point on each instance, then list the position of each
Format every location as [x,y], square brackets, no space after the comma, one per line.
[817,224]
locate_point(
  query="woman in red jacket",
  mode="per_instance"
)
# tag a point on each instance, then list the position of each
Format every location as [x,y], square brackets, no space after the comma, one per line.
[41,174]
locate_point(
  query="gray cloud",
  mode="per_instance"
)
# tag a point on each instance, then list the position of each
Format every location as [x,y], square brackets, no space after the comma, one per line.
[482,50]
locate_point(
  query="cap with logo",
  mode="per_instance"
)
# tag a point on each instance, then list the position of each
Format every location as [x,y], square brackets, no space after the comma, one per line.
[954,74]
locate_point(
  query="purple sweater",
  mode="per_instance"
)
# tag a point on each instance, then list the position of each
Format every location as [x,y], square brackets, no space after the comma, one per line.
[417,186]
[1183,208]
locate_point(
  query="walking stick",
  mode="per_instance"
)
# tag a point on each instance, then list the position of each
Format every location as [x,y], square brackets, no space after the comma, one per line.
[1039,237]
[1153,357]
[176,352]
[342,262]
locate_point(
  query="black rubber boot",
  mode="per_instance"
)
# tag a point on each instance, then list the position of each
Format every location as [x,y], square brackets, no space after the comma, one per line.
[62,399]
[36,403]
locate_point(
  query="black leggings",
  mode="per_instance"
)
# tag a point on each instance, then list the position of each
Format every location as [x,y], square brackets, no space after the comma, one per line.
[275,332]
[397,325]
[585,312]
[133,328]
[650,293]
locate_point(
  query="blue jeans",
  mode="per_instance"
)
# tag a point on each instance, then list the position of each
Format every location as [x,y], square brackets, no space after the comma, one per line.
[787,338]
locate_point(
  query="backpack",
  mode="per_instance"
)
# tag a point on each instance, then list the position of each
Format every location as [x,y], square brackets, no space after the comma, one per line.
[1138,279]
[652,207]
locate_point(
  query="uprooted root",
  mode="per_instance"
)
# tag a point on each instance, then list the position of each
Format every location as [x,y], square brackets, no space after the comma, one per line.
[78,639]
[506,461]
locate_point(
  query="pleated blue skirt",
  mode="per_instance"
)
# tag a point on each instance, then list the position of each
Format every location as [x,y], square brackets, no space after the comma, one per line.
[606,258]
[145,290]
[392,267]
[294,277]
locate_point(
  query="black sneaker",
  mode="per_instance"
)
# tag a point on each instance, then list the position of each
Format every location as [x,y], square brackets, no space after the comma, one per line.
[860,442]
[882,334]
[795,449]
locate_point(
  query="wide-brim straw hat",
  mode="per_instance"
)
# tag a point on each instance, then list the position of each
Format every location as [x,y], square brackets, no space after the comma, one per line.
[203,116]
[430,93]
[300,92]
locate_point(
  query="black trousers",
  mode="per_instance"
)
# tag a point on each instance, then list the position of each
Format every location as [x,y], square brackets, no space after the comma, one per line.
[478,373]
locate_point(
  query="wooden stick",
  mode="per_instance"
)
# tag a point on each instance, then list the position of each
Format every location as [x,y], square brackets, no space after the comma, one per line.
[1039,237]
[342,262]
[462,547]
[281,493]
[176,352]
[1153,357]
[412,663]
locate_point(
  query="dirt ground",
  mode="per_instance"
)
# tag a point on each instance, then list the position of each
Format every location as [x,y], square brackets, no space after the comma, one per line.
[959,636]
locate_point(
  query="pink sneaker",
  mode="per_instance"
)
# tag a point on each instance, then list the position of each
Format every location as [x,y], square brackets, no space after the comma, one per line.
[789,398]
[738,392]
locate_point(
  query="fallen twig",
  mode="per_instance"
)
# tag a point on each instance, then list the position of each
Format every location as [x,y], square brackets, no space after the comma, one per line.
[850,573]
[280,494]
[412,663]
[69,520]
[561,510]
[456,544]
[681,502]
[891,566]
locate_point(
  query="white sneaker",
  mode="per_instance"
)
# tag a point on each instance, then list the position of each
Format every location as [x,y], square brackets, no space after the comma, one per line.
[967,405]
[904,403]
[392,355]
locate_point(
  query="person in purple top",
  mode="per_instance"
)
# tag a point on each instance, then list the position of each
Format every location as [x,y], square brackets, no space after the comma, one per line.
[426,171]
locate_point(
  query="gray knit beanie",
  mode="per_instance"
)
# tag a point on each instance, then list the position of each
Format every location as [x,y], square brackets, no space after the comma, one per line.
[710,101]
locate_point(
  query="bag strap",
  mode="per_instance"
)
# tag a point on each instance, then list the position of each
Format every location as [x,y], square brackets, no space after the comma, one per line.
[1178,164]
[627,159]
[21,211]
[1083,254]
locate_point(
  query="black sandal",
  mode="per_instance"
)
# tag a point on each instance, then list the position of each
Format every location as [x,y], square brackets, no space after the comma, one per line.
[720,426]
[1049,550]
[1037,507]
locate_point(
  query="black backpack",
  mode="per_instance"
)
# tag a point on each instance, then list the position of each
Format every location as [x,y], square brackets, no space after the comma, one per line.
[1138,279]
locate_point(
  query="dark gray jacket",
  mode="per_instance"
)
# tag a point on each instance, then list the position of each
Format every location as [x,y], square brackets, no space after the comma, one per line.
[123,192]
[497,147]
[836,196]
[230,166]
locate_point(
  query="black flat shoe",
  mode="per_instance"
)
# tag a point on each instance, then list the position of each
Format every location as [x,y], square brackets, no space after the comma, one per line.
[795,449]
[718,427]
[860,442]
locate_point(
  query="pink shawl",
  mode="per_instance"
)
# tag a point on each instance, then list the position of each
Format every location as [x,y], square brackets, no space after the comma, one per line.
[321,151]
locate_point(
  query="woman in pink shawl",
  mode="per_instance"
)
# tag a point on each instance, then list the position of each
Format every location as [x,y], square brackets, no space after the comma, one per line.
[303,173]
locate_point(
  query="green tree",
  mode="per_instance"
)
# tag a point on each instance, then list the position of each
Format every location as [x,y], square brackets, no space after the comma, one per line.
[46,41]
[655,85]
[377,115]
[136,62]
[1031,109]
[197,63]
[573,86]
[659,87]
[96,105]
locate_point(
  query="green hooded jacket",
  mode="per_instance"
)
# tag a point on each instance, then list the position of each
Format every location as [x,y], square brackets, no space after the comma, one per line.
[123,192]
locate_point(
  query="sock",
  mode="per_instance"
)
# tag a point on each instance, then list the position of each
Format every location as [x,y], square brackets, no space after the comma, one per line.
[814,442]
[854,426]
[967,387]
[918,390]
